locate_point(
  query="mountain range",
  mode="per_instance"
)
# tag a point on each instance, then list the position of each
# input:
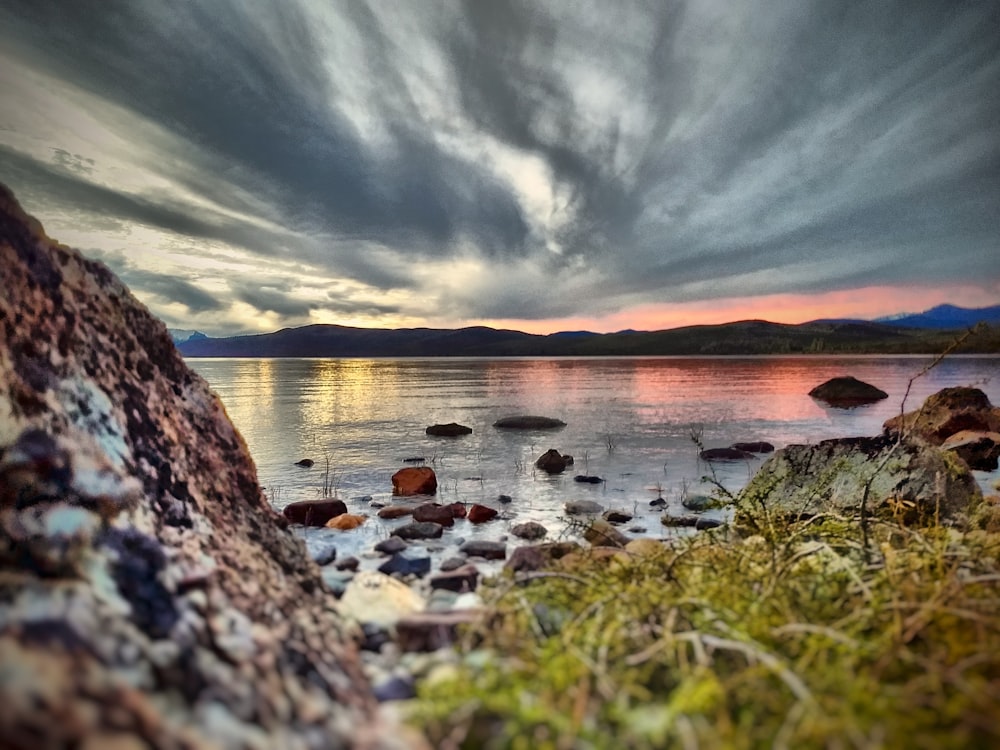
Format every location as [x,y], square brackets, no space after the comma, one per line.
[929,332]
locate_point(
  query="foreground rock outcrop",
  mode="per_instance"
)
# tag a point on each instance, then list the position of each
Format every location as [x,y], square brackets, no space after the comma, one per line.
[910,480]
[149,596]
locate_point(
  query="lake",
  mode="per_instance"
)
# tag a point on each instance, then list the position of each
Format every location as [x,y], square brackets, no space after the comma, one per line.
[629,421]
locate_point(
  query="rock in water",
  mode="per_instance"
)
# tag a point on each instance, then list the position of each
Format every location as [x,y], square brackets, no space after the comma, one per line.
[947,412]
[847,391]
[414,481]
[150,596]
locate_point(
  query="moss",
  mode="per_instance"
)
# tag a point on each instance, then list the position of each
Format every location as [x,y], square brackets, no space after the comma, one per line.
[886,636]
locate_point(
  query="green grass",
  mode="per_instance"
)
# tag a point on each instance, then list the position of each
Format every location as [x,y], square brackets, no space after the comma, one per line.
[801,640]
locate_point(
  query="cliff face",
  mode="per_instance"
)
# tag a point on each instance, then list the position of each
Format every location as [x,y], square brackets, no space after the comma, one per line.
[147,590]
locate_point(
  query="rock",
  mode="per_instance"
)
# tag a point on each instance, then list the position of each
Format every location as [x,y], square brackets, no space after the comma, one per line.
[583,508]
[539,556]
[414,480]
[528,423]
[407,562]
[602,533]
[645,547]
[915,482]
[377,599]
[980,450]
[395,511]
[391,546]
[481,513]
[506,499]
[348,563]
[758,446]
[322,550]
[430,631]
[434,512]
[568,459]
[616,516]
[395,688]
[847,391]
[949,411]
[452,563]
[724,454]
[337,580]
[149,590]
[460,580]
[414,460]
[699,503]
[551,462]
[419,530]
[657,503]
[584,479]
[483,548]
[457,510]
[529,530]
[452,429]
[346,522]
[313,512]
[305,463]
[698,523]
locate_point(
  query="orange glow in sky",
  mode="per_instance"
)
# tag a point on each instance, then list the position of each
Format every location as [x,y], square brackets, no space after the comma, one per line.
[865,303]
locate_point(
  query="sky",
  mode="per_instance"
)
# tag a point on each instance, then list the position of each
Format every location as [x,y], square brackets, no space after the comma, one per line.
[246,165]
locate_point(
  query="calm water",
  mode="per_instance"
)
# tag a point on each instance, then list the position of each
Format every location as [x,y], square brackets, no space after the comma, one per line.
[629,421]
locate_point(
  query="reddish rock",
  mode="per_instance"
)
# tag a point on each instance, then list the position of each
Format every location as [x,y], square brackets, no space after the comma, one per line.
[313,512]
[414,480]
[395,511]
[143,531]
[481,513]
[457,510]
[433,512]
[947,412]
[345,522]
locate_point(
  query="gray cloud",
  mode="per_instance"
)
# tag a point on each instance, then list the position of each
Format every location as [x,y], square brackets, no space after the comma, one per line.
[690,149]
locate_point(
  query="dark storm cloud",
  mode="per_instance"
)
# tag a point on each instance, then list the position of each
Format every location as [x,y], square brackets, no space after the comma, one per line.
[166,288]
[276,297]
[691,149]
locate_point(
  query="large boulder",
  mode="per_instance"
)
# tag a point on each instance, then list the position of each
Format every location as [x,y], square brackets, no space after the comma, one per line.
[910,481]
[414,480]
[847,391]
[947,412]
[314,512]
[149,595]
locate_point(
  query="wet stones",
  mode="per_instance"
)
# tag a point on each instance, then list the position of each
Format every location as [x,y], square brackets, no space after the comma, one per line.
[414,480]
[583,508]
[551,462]
[481,513]
[529,530]
[433,512]
[483,548]
[314,512]
[419,530]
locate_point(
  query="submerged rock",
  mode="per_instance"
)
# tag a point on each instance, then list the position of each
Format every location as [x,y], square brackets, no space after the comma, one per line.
[481,513]
[756,446]
[725,454]
[847,391]
[526,422]
[150,593]
[583,508]
[452,429]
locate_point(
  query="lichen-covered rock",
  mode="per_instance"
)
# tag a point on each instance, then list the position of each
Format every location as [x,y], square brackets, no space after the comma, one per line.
[910,481]
[149,596]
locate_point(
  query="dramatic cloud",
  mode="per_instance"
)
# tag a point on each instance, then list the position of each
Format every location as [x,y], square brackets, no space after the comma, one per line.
[253,165]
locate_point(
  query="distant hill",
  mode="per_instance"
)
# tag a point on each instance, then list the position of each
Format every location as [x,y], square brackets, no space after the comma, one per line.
[945,317]
[748,337]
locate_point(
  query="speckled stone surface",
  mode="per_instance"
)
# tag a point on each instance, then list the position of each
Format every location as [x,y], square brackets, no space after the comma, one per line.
[149,596]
